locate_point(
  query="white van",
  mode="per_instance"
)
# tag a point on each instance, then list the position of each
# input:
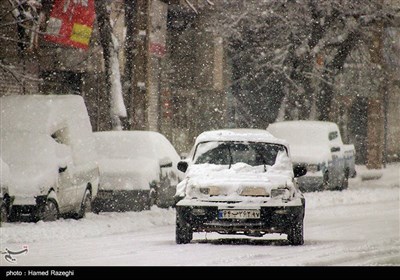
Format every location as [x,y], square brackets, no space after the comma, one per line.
[48,145]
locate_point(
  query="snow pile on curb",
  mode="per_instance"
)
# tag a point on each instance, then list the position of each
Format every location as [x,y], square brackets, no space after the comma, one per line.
[106,223]
[346,197]
[386,188]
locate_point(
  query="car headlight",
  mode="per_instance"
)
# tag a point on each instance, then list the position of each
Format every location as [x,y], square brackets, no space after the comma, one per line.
[313,167]
[211,191]
[281,193]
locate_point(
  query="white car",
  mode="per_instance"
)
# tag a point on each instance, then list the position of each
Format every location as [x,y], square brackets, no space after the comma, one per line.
[239,181]
[137,169]
[319,146]
[47,142]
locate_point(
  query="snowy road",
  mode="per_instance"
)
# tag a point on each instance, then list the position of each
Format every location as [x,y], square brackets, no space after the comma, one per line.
[358,226]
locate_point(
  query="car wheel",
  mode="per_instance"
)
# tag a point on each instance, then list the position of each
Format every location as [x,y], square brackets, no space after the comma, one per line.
[3,213]
[14,215]
[96,207]
[184,232]
[146,201]
[162,200]
[48,212]
[325,182]
[345,182]
[295,234]
[86,205]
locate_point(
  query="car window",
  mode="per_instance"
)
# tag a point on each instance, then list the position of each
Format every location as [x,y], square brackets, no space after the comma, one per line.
[228,153]
[333,135]
[217,155]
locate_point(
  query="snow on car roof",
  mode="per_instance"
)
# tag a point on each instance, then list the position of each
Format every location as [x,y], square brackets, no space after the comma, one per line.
[132,143]
[302,132]
[239,134]
[42,113]
[306,124]
[46,114]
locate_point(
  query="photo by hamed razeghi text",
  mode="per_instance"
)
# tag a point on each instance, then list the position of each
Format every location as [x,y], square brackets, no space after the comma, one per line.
[46,272]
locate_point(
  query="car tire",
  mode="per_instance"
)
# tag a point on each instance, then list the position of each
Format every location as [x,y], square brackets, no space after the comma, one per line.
[325,182]
[48,212]
[146,201]
[86,205]
[345,182]
[184,232]
[162,200]
[96,207]
[14,215]
[295,234]
[3,213]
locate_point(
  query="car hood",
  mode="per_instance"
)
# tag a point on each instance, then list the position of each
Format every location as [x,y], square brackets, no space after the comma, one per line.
[128,174]
[32,180]
[240,180]
[310,154]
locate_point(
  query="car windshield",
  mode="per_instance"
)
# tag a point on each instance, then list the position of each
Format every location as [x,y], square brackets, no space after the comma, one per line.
[230,152]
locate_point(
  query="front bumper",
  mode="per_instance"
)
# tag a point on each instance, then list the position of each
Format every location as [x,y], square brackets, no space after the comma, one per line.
[310,183]
[272,219]
[121,200]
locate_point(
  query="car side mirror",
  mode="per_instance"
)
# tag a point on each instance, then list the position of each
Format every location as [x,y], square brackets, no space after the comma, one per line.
[182,166]
[299,170]
[62,169]
[165,162]
[335,149]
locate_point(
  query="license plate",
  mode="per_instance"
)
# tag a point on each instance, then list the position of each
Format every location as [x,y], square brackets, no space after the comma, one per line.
[239,214]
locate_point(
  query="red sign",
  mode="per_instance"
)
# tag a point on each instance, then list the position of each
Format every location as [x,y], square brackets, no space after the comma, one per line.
[71,23]
[157,49]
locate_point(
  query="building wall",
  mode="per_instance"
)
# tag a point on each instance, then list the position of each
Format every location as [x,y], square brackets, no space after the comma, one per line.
[198,83]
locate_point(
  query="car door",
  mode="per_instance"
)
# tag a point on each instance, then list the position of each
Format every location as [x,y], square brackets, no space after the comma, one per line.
[337,153]
[66,184]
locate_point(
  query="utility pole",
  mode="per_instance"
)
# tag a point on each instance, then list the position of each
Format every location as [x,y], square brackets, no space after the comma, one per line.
[149,30]
[376,112]
[129,48]
[139,83]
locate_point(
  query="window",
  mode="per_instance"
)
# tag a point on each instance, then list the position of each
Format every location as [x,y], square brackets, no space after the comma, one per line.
[333,135]
[61,136]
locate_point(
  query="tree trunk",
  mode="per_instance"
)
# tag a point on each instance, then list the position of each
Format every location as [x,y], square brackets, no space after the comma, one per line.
[112,82]
[326,94]
[128,81]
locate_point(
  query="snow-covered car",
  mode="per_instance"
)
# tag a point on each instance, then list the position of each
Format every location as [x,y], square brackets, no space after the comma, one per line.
[137,169]
[239,181]
[47,142]
[319,146]
[4,182]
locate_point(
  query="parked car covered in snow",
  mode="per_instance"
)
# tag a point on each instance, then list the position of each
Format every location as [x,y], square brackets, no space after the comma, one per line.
[137,169]
[319,146]
[4,182]
[48,144]
[239,181]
